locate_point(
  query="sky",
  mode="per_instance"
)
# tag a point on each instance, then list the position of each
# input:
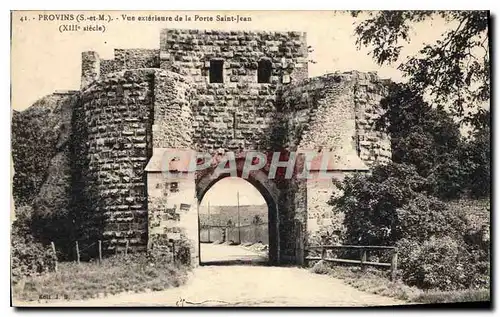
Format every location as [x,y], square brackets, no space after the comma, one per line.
[225,191]
[44,60]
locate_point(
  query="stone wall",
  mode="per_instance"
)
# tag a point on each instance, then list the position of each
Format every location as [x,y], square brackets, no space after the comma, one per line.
[321,217]
[173,119]
[335,113]
[373,146]
[233,117]
[91,68]
[146,101]
[111,126]
[189,52]
[236,114]
[173,210]
[130,59]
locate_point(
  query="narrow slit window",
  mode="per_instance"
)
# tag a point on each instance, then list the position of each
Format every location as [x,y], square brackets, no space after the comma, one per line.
[216,71]
[264,71]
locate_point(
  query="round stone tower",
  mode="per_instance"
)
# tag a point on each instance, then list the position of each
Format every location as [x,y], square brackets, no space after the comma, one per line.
[112,125]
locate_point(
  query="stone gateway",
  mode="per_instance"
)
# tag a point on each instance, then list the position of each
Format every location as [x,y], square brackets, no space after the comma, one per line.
[212,92]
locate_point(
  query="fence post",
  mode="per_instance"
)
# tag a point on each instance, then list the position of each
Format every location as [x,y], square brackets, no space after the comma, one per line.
[126,247]
[323,253]
[55,254]
[394,264]
[100,251]
[77,252]
[363,259]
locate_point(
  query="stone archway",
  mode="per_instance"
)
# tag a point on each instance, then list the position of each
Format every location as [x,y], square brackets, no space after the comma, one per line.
[269,192]
[133,107]
[173,200]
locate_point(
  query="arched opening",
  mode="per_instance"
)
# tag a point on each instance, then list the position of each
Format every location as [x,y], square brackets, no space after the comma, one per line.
[237,222]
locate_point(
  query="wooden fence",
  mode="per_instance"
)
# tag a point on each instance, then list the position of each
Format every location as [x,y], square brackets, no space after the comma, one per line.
[98,245]
[363,250]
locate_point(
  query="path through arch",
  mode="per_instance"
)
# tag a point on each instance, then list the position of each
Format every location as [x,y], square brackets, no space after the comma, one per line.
[233,214]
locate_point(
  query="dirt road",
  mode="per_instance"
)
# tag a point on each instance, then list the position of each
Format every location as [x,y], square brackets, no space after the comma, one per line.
[215,253]
[244,285]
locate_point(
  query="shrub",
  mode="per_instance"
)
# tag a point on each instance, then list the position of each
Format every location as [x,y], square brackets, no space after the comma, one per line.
[478,151]
[424,217]
[373,281]
[441,263]
[28,257]
[159,256]
[323,236]
[391,204]
[432,264]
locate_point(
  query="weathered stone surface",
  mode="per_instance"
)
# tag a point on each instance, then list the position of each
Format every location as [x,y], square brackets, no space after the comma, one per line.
[145,100]
[106,157]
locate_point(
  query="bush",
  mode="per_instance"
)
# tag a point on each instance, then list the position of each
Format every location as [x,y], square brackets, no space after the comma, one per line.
[424,217]
[156,256]
[373,281]
[432,264]
[440,247]
[391,204]
[441,263]
[28,257]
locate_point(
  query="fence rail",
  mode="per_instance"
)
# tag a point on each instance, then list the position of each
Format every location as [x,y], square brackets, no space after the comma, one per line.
[363,255]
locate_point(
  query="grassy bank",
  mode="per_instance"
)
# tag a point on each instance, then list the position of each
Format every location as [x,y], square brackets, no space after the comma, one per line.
[431,297]
[119,273]
[375,282]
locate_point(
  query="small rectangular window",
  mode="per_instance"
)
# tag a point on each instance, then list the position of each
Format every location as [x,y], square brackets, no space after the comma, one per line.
[216,71]
[264,71]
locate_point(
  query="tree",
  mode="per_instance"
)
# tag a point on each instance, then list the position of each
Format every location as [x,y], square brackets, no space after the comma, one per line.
[391,204]
[452,71]
[478,154]
[426,137]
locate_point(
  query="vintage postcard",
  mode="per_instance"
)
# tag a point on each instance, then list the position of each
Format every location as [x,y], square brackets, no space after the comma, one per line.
[250,158]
